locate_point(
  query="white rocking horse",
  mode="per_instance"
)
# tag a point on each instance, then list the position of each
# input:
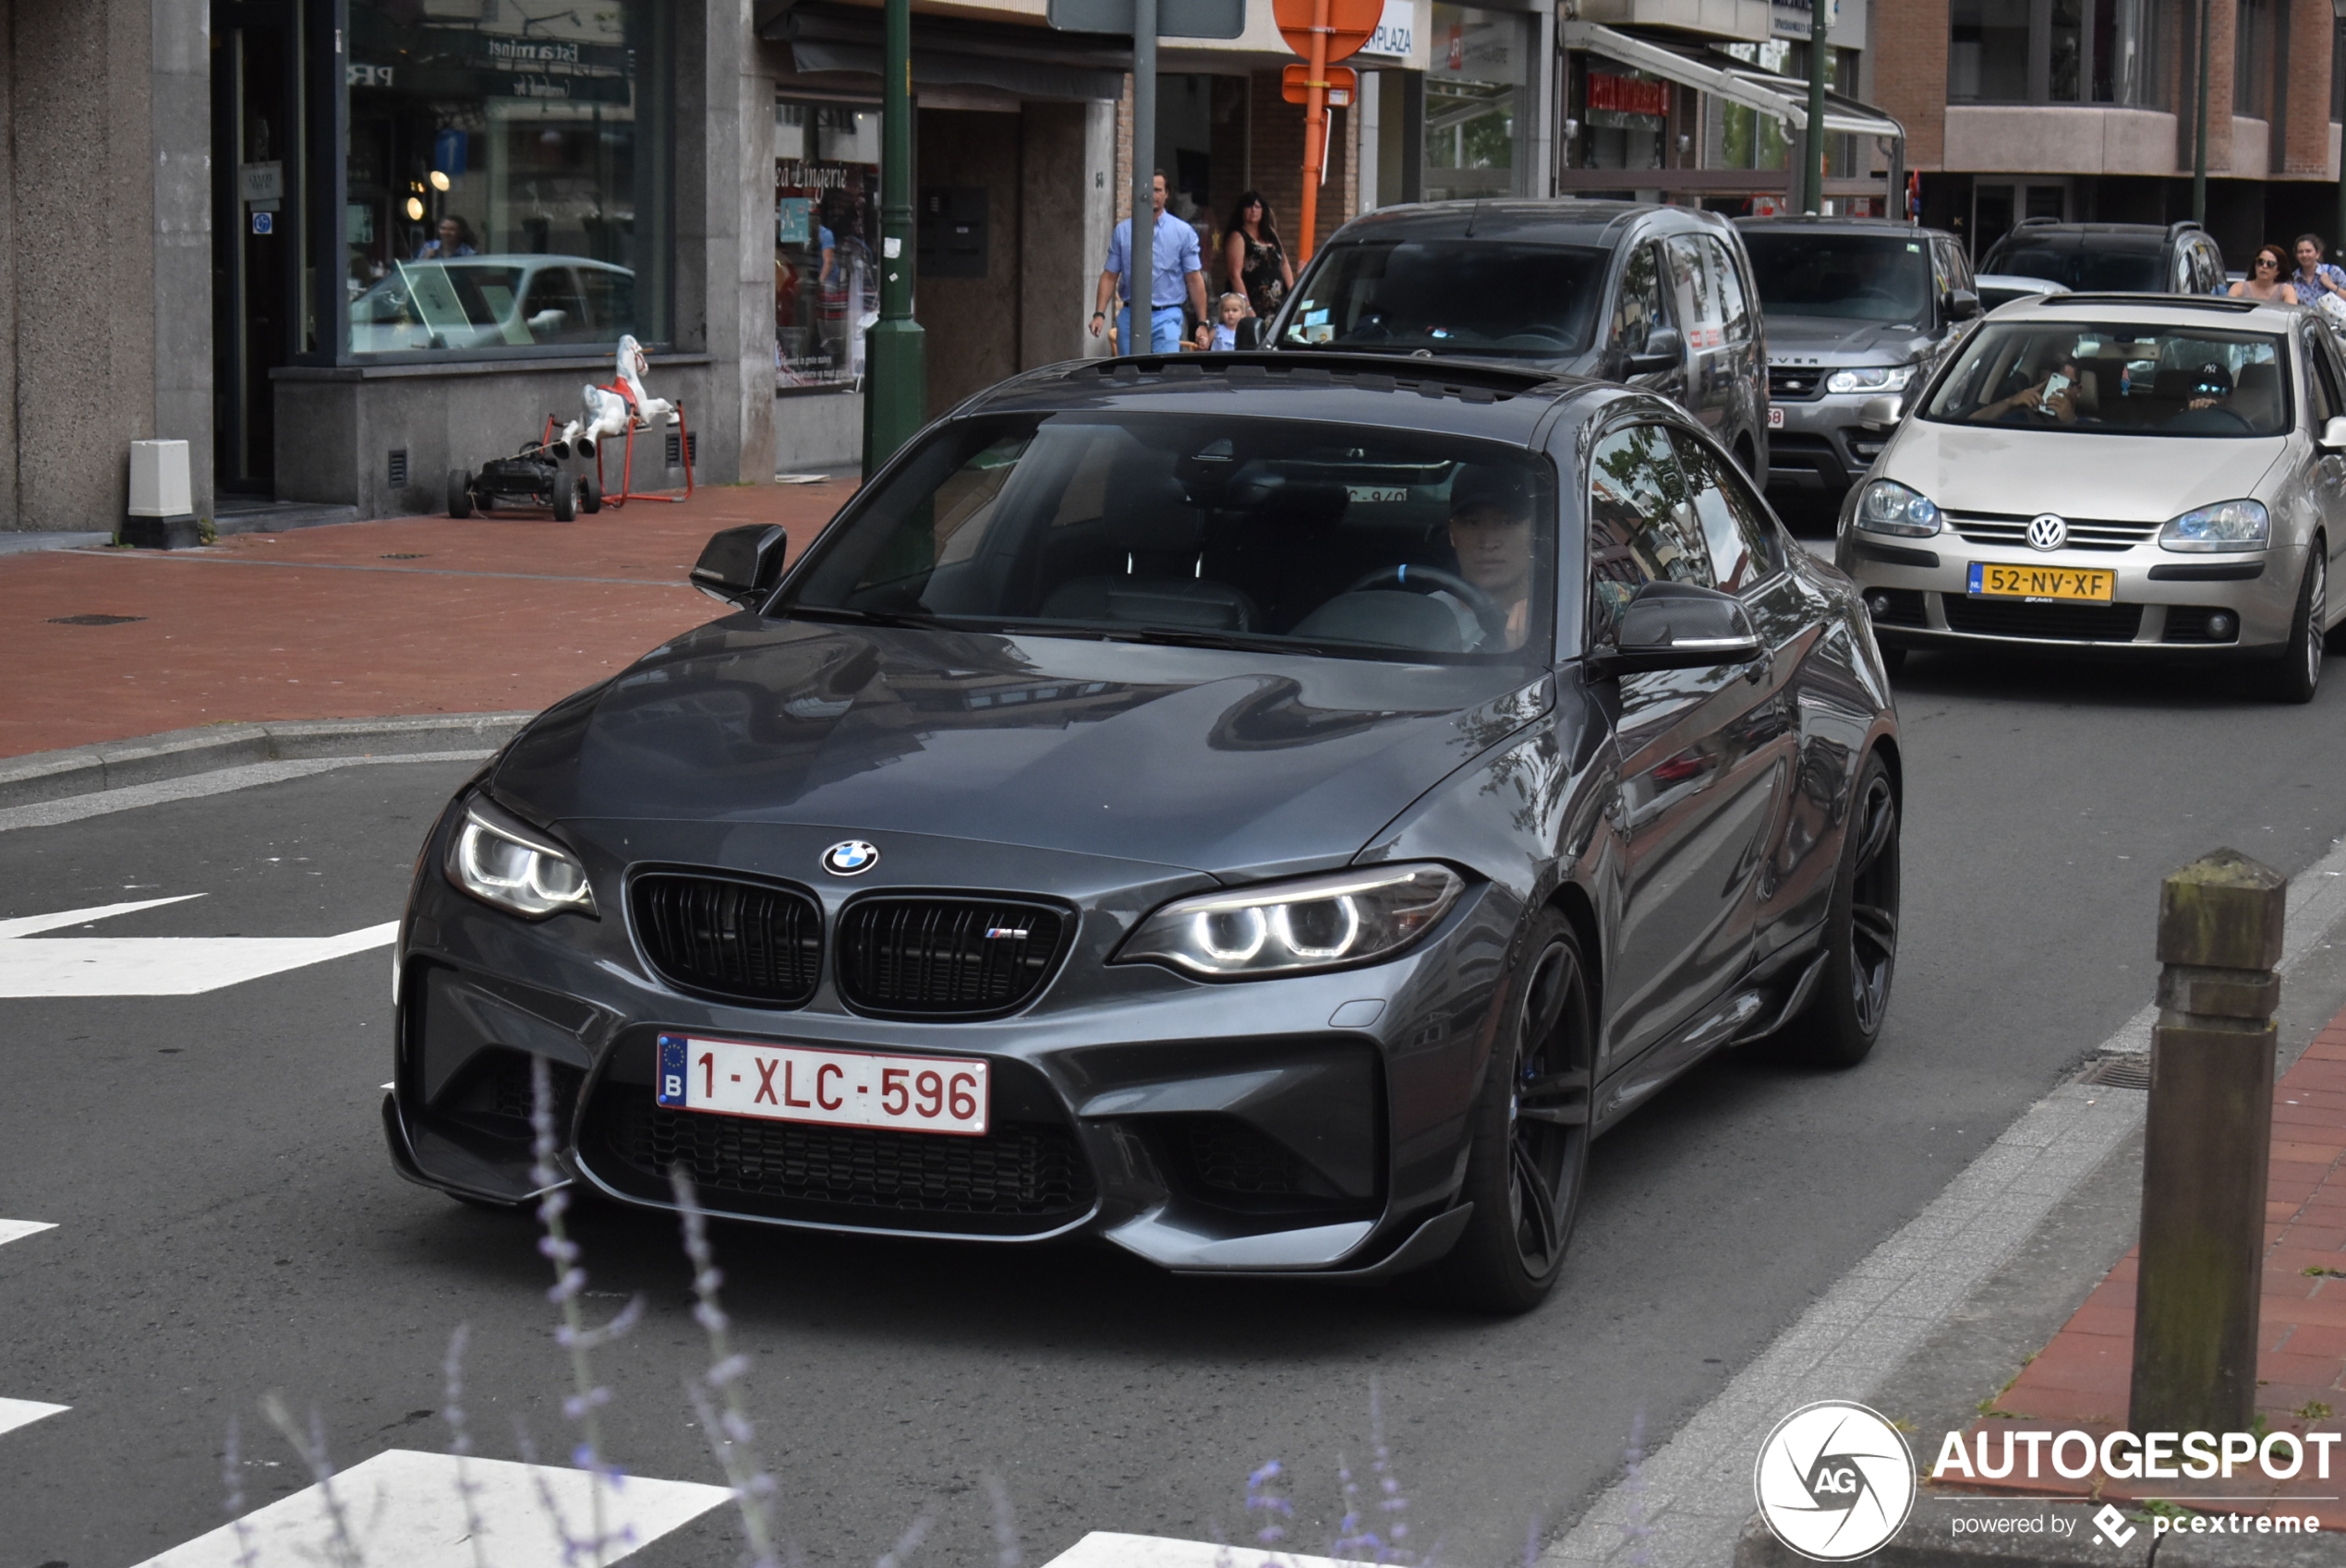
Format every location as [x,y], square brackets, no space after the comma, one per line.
[609,408]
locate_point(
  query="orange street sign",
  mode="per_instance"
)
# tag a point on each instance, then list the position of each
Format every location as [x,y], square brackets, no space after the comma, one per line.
[1349,25]
[1295,84]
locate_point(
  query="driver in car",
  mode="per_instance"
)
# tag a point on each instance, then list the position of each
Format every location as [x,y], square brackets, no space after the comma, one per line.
[1491,531]
[2055,397]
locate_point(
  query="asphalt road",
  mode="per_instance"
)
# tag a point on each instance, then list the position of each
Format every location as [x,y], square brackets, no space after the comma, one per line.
[227,1223]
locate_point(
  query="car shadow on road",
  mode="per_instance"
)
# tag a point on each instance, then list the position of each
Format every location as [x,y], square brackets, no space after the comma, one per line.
[2067,678]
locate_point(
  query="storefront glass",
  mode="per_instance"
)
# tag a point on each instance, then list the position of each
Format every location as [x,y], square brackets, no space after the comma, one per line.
[826,213]
[498,194]
[1475,98]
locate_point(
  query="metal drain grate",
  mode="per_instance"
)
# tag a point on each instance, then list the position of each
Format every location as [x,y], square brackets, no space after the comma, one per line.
[412,555]
[93,619]
[2118,1072]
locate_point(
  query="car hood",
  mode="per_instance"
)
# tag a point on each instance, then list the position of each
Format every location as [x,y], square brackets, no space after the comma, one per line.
[1825,340]
[2074,473]
[1210,759]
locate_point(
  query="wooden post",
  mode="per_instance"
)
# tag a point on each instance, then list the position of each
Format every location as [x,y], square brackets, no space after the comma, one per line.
[2209,1138]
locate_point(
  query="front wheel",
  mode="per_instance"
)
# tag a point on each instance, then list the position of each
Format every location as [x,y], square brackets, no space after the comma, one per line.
[590,496]
[1843,1020]
[1529,1158]
[460,493]
[565,500]
[2293,677]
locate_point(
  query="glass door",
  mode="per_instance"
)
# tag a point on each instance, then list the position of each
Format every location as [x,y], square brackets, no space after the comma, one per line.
[257,234]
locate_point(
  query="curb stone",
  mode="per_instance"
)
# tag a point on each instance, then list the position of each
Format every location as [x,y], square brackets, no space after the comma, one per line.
[1929,1541]
[175,754]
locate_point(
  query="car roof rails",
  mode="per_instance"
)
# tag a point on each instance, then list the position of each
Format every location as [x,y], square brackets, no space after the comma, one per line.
[2160,302]
[2035,222]
[1468,381]
[2182,225]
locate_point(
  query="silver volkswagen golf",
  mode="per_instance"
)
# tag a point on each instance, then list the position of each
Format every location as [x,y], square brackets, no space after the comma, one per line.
[2161,475]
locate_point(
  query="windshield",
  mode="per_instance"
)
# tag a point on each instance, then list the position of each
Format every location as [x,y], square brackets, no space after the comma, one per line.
[2087,266]
[1277,534]
[2118,379]
[1450,296]
[1856,277]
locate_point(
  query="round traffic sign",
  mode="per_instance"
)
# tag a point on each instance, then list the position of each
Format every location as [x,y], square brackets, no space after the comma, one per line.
[1350,24]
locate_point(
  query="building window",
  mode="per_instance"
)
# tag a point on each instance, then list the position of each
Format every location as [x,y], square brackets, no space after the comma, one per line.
[1747,139]
[826,213]
[2252,59]
[2058,51]
[1474,101]
[501,182]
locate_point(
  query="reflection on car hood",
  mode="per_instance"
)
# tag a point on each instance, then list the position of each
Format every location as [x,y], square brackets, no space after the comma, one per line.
[1829,341]
[2120,478]
[1205,758]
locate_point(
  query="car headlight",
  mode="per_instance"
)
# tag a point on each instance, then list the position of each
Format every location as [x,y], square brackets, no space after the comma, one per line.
[1289,927]
[1888,507]
[2228,524]
[504,861]
[1870,378]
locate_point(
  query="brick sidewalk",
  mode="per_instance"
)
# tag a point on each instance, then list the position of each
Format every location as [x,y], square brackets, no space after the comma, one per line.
[2079,1381]
[360,620]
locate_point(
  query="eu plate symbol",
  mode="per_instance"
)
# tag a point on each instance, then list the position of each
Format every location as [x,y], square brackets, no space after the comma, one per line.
[673,1065]
[1977,573]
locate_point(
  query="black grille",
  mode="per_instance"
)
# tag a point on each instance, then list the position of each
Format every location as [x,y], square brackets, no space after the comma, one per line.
[493,1094]
[1021,1178]
[1230,1156]
[2188,623]
[945,955]
[1788,382]
[2063,623]
[743,940]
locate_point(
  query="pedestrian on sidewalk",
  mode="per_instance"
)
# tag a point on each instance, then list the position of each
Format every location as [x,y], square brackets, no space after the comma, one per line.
[1222,334]
[2314,277]
[1178,275]
[2267,277]
[1255,258]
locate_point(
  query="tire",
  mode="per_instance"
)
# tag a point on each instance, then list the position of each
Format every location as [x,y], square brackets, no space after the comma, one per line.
[1529,1161]
[565,500]
[590,496]
[2296,675]
[460,493]
[1843,1020]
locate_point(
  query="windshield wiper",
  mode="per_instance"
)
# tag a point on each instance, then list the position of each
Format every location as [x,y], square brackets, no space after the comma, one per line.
[861,617]
[1188,639]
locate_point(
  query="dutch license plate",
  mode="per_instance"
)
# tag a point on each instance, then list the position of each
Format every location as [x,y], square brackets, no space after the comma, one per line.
[1993,581]
[802,1083]
[1775,417]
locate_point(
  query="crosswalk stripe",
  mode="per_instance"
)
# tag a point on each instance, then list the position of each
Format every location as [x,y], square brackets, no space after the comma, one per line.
[1103,1549]
[17,1230]
[14,1413]
[403,1508]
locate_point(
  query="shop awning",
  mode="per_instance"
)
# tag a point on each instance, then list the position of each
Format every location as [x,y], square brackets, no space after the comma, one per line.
[949,52]
[1722,76]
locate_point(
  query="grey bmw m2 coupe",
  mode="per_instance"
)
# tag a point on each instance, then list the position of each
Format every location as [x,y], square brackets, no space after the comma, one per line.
[1266,812]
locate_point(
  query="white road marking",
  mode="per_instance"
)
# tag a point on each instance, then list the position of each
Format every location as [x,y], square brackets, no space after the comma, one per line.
[14,1413]
[17,1230]
[403,1508]
[1103,1549]
[155,966]
[220,781]
[1692,1496]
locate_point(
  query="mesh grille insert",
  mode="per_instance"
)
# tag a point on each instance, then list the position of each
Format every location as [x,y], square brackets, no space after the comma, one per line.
[2063,623]
[738,939]
[945,955]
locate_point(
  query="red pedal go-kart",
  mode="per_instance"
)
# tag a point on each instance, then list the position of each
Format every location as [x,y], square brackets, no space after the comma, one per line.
[530,479]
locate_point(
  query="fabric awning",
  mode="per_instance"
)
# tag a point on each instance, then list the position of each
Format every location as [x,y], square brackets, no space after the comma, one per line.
[1722,76]
[1028,61]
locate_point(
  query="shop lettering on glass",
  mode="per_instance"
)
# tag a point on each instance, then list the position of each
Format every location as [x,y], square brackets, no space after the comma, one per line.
[805,176]
[1628,95]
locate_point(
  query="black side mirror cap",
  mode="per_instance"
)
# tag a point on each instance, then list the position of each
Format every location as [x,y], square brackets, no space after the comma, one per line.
[741,566]
[1962,304]
[1680,626]
[1248,331]
[1665,348]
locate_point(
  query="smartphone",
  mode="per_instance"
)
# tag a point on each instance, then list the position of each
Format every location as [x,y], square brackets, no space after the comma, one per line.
[2055,385]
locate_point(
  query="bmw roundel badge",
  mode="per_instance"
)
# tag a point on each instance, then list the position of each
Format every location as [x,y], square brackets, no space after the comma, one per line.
[851,857]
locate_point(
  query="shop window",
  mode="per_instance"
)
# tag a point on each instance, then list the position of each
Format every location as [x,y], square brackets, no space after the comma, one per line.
[2252,59]
[1474,99]
[826,213]
[1747,139]
[499,169]
[2059,51]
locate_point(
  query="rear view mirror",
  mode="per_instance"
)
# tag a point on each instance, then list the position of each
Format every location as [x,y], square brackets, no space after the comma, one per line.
[2334,435]
[1250,331]
[1663,351]
[740,566]
[1680,626]
[1880,413]
[1962,304]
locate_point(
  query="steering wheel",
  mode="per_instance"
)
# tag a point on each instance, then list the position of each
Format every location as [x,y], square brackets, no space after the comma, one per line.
[1416,579]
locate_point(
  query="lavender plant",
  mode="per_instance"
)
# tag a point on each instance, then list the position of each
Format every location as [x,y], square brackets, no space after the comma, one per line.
[232,1472]
[1358,1535]
[1262,1497]
[341,1549]
[1007,1552]
[1634,1528]
[729,1430]
[460,1441]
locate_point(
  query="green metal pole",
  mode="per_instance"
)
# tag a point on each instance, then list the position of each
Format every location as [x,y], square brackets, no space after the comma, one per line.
[895,368]
[2199,130]
[1812,196]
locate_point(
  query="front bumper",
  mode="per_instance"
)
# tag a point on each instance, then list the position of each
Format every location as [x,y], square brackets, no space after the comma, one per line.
[1821,448]
[2165,600]
[1316,1123]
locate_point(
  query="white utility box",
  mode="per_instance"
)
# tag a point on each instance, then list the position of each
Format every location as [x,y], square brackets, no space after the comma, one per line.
[159,482]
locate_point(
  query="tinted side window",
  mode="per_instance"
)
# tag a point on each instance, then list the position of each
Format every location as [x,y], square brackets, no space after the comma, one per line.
[1735,528]
[1637,308]
[1641,526]
[1731,302]
[2323,370]
[1695,287]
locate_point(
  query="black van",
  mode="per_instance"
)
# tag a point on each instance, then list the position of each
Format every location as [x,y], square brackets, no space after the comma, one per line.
[1660,297]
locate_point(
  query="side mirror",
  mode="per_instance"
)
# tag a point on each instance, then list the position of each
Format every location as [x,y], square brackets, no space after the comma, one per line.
[2334,435]
[1882,412]
[1663,350]
[1248,331]
[1962,304]
[1680,626]
[740,566]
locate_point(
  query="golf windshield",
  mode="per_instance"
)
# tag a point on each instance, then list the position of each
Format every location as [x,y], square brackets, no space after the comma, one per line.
[1282,535]
[1855,277]
[1454,296]
[2118,379]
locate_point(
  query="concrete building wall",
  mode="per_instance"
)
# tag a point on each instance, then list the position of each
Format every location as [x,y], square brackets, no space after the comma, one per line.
[972,325]
[2051,139]
[180,116]
[1057,267]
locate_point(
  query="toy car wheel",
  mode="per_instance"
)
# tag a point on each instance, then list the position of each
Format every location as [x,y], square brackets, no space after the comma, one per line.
[460,493]
[566,500]
[590,496]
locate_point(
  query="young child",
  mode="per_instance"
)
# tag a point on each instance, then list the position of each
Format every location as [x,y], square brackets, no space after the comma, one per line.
[1223,333]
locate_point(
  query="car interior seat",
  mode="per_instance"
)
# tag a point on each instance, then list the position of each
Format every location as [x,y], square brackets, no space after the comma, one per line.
[2257,395]
[1160,533]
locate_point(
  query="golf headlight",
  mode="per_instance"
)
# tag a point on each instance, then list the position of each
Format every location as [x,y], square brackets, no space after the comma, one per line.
[2230,525]
[1289,927]
[1870,378]
[502,861]
[1888,507]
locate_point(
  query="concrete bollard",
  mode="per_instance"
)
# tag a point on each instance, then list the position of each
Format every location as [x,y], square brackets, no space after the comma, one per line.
[2209,1138]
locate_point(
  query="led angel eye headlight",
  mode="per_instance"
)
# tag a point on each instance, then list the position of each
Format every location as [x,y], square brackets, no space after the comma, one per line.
[1870,378]
[504,862]
[1290,927]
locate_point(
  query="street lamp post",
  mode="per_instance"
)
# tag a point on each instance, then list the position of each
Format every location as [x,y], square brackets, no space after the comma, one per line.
[1813,144]
[2199,129]
[895,367]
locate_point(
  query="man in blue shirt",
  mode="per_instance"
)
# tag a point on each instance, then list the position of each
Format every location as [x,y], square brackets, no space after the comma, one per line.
[1178,272]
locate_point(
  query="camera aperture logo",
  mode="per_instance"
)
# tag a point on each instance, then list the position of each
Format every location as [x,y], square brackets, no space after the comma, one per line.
[1835,1480]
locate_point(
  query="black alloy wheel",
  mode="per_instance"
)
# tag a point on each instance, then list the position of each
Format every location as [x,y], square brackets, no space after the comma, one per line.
[590,496]
[565,499]
[460,493]
[2297,673]
[1844,1017]
[1530,1160]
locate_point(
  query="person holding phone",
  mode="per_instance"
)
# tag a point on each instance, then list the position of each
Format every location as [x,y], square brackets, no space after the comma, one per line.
[2053,398]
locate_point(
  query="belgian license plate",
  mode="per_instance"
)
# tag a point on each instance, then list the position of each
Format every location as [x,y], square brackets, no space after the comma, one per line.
[803,1083]
[1994,581]
[1775,417]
